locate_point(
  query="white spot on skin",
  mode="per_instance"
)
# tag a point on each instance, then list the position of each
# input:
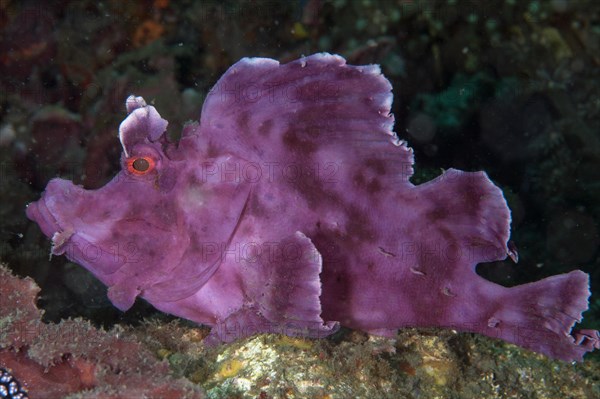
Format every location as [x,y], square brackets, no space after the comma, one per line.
[192,198]
[493,322]
[446,291]
[417,271]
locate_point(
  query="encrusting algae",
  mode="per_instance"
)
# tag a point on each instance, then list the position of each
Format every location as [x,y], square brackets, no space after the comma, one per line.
[427,363]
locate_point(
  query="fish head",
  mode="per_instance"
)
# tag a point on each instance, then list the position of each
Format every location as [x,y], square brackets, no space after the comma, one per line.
[132,229]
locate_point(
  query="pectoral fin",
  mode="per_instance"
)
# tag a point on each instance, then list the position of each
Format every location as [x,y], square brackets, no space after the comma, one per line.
[285,287]
[291,285]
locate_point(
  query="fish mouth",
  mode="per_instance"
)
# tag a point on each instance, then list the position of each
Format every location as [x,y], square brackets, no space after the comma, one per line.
[38,212]
[59,215]
[57,192]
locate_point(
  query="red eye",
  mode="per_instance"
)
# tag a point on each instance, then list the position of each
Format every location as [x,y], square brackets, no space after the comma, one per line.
[140,165]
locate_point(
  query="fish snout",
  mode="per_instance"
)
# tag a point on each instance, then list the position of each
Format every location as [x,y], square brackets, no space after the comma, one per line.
[52,211]
[62,190]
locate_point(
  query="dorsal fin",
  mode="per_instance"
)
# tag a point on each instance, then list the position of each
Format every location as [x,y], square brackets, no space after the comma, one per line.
[317,113]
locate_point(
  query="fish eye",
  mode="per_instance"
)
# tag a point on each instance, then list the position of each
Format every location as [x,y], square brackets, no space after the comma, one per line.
[140,165]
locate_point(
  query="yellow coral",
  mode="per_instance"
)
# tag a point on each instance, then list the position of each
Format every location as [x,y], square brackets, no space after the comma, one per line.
[163,353]
[230,368]
[295,342]
[440,370]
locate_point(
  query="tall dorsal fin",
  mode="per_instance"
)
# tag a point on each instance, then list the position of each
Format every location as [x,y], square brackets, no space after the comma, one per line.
[317,113]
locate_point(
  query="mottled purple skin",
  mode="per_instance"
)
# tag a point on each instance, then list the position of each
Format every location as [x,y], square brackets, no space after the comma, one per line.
[288,208]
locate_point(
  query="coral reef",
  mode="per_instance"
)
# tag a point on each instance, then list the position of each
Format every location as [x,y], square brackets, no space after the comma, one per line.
[419,363]
[74,359]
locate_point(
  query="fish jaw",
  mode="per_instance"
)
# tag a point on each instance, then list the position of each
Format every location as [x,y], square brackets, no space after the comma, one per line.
[44,212]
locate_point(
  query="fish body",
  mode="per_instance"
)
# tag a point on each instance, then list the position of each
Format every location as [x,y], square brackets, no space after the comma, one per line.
[289,208]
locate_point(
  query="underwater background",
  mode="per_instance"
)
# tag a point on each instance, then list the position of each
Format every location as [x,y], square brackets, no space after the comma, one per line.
[509,87]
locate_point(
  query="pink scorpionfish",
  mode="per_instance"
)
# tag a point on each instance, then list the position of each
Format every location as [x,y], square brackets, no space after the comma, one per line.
[288,208]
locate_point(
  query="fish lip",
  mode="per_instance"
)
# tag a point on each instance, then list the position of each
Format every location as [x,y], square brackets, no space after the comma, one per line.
[64,240]
[51,222]
[56,215]
[38,212]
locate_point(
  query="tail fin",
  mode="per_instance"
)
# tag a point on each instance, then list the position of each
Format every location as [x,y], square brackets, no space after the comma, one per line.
[540,316]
